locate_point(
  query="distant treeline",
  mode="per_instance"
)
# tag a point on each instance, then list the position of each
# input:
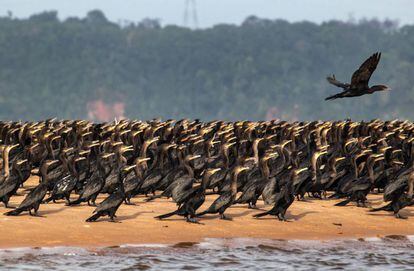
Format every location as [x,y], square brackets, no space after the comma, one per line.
[78,67]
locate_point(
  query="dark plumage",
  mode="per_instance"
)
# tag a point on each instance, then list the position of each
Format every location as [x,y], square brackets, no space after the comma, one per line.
[227,198]
[194,198]
[12,182]
[94,184]
[33,200]
[359,81]
[64,187]
[284,198]
[110,205]
[395,192]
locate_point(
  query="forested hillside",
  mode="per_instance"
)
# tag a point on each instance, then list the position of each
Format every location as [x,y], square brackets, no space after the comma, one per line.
[260,69]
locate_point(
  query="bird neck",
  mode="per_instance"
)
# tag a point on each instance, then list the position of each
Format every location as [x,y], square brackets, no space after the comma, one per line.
[265,169]
[189,169]
[206,180]
[377,88]
[6,162]
[234,183]
[411,185]
[121,178]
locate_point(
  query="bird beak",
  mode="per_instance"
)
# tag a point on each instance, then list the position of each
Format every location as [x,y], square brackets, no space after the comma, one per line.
[301,170]
[141,160]
[153,140]
[126,169]
[52,162]
[273,155]
[340,159]
[108,155]
[68,150]
[21,162]
[127,149]
[194,157]
[84,152]
[243,169]
[214,170]
[80,159]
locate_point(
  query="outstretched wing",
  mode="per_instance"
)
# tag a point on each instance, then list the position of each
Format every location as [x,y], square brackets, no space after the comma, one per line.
[333,81]
[361,76]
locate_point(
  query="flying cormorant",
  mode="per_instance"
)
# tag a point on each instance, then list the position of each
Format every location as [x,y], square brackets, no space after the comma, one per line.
[359,82]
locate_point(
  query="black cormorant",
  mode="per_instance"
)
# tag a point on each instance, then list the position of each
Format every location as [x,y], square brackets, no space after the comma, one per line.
[359,82]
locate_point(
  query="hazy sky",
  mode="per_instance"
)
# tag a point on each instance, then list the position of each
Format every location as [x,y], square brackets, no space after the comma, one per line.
[211,12]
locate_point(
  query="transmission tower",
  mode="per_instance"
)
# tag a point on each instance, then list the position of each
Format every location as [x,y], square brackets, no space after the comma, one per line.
[190,14]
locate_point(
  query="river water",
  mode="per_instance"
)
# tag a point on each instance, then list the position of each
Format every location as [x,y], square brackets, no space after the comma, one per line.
[389,253]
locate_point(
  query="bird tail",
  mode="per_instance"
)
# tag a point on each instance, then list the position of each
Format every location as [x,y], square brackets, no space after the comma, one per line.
[152,198]
[383,208]
[261,214]
[14,212]
[203,213]
[333,97]
[343,203]
[47,200]
[210,193]
[166,215]
[76,202]
[239,200]
[335,196]
[332,80]
[93,217]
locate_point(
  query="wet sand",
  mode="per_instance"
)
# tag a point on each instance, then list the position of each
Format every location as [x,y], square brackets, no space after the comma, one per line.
[61,225]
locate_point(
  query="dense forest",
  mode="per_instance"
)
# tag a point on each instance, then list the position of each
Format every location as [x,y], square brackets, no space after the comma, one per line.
[81,67]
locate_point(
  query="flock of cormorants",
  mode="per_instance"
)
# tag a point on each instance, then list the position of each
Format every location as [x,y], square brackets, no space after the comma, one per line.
[238,162]
[185,160]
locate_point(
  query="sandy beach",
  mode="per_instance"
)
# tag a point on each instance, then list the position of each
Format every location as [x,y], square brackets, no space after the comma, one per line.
[61,225]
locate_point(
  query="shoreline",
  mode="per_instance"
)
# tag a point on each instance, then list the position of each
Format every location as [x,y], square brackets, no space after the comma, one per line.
[64,226]
[234,242]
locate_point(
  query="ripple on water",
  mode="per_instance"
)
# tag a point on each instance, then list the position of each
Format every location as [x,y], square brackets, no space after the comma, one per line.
[390,252]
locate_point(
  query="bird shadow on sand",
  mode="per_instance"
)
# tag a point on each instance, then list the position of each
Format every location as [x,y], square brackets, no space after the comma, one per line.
[244,207]
[289,216]
[306,200]
[131,216]
[404,212]
[299,216]
[49,212]
[118,219]
[82,206]
[44,213]
[230,216]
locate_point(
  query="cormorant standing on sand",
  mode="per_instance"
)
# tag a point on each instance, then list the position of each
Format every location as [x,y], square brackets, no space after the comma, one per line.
[283,199]
[94,185]
[226,199]
[13,181]
[110,205]
[359,82]
[195,198]
[255,185]
[36,196]
[134,180]
[64,187]
[395,192]
[359,188]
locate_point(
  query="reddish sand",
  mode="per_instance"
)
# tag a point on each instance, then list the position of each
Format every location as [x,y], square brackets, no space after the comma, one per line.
[61,225]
